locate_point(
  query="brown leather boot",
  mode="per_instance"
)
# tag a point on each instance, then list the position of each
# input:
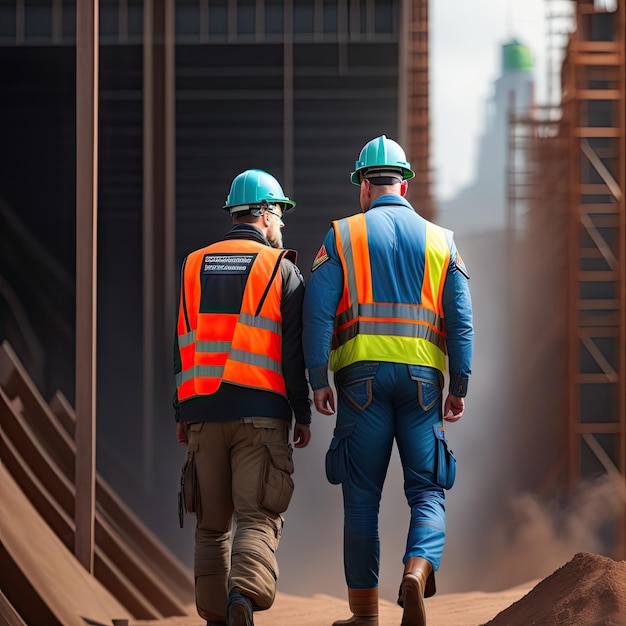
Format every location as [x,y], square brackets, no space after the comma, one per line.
[418,582]
[364,605]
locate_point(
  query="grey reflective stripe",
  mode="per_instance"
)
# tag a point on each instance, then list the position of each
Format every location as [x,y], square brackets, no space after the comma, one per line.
[258,321]
[346,244]
[213,346]
[397,329]
[217,371]
[186,339]
[258,360]
[407,312]
[205,371]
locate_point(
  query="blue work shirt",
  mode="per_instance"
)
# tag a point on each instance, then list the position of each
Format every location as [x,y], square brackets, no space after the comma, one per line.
[395,228]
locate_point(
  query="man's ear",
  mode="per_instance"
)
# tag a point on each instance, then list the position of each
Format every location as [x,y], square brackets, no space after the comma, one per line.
[404,187]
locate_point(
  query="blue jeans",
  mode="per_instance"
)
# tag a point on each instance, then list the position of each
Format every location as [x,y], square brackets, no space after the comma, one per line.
[377,402]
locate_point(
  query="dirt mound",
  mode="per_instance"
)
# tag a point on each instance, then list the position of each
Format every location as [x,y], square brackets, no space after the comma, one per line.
[589,590]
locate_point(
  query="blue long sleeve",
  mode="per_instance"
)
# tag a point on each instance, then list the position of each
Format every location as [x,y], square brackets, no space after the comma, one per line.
[457,308]
[322,295]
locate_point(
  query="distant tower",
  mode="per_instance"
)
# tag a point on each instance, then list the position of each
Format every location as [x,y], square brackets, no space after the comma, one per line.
[481,206]
[514,92]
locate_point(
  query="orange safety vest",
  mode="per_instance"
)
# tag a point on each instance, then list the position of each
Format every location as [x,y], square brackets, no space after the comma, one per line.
[388,331]
[232,333]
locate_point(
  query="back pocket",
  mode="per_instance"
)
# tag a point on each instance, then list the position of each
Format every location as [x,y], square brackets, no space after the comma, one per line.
[355,383]
[428,391]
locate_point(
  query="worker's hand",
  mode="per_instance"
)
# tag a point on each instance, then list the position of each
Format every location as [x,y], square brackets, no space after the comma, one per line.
[301,435]
[324,400]
[181,433]
[453,408]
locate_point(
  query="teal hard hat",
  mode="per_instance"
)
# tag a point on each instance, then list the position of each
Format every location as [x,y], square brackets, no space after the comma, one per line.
[381,154]
[253,189]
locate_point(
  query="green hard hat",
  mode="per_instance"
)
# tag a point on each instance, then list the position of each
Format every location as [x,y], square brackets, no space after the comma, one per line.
[382,153]
[253,189]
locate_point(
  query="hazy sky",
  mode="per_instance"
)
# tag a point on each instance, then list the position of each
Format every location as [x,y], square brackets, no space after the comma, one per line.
[465,49]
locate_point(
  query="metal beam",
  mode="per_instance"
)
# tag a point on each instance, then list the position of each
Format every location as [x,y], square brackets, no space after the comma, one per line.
[158,213]
[86,275]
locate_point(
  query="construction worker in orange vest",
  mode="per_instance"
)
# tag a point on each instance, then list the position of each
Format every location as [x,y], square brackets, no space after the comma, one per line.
[240,379]
[387,307]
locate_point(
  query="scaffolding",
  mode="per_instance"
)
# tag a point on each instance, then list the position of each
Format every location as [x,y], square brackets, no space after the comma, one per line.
[416,105]
[593,106]
[566,180]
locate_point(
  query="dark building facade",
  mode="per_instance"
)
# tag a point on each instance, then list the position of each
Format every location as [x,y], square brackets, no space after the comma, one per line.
[191,92]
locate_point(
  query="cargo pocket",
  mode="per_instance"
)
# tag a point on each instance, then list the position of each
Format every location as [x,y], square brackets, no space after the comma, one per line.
[189,495]
[337,461]
[277,486]
[445,463]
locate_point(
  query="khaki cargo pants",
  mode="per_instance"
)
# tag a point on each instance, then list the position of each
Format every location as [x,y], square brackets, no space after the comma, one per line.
[243,470]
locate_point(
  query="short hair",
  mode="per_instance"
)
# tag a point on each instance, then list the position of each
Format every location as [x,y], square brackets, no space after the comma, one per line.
[385,176]
[244,217]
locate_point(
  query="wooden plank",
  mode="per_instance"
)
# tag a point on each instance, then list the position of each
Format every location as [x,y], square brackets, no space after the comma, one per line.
[64,413]
[62,525]
[57,443]
[18,431]
[145,580]
[157,557]
[44,439]
[67,589]
[8,615]
[57,519]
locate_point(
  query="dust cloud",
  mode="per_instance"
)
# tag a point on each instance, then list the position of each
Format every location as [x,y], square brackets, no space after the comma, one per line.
[540,535]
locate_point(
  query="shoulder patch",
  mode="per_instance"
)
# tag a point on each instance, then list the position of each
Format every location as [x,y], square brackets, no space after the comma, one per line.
[320,258]
[460,265]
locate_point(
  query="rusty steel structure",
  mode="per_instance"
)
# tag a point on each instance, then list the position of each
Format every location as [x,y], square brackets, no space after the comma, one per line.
[567,176]
[416,110]
[593,105]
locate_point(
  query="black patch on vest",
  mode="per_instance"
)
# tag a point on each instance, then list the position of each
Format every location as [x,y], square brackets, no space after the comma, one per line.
[223,279]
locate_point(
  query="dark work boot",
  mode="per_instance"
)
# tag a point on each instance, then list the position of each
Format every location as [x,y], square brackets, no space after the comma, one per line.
[239,611]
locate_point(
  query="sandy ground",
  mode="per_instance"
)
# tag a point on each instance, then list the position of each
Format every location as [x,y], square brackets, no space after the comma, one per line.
[454,609]
[588,590]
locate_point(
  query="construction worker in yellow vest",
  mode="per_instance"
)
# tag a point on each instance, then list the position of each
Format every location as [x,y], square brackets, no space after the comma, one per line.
[240,380]
[387,308]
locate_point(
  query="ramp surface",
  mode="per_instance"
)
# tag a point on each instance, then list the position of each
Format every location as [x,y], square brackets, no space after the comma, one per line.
[56,579]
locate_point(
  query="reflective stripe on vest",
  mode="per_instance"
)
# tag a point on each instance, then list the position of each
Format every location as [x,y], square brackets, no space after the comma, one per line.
[368,330]
[243,348]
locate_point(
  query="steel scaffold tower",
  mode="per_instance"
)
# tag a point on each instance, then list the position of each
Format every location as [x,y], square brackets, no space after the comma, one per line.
[416,114]
[566,181]
[593,110]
